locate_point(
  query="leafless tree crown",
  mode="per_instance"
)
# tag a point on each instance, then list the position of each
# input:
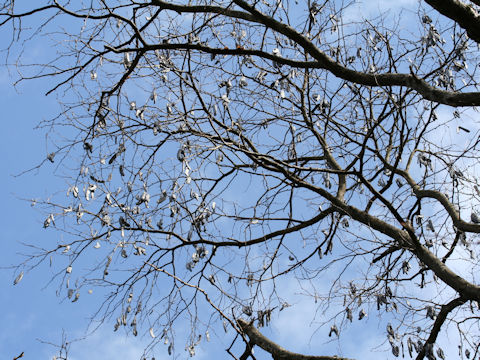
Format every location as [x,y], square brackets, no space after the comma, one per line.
[217,151]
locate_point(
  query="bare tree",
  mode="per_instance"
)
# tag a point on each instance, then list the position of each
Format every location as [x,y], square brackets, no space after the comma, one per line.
[216,149]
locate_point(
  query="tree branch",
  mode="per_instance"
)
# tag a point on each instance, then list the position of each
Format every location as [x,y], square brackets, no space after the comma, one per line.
[277,352]
[462,14]
[441,317]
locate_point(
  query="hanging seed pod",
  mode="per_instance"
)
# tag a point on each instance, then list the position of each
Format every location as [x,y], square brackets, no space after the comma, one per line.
[431,312]
[390,330]
[349,314]
[333,330]
[51,157]
[18,278]
[361,314]
[154,96]
[225,100]
[430,225]
[126,60]
[247,310]
[242,82]
[181,154]
[48,221]
[395,350]
[475,218]
[410,347]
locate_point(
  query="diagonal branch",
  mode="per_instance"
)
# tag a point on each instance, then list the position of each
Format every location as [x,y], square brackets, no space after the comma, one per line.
[462,14]
[323,61]
[277,352]
[441,317]
[409,80]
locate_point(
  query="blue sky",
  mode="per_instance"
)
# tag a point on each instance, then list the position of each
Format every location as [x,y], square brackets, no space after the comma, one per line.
[33,312]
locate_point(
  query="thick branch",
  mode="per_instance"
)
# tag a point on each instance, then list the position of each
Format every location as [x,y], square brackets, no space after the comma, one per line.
[441,317]
[325,62]
[277,352]
[462,14]
[405,238]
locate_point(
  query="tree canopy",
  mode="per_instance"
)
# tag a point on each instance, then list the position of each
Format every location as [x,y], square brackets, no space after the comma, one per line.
[215,152]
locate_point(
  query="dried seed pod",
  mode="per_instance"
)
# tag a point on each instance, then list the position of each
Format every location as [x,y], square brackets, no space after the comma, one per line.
[474,218]
[247,310]
[395,350]
[430,225]
[390,330]
[225,100]
[361,314]
[51,157]
[48,221]
[431,312]
[440,353]
[410,346]
[242,82]
[333,330]
[181,154]
[18,278]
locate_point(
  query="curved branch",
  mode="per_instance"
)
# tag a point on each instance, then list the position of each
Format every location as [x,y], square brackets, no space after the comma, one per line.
[323,61]
[462,14]
[405,237]
[441,317]
[277,352]
[409,80]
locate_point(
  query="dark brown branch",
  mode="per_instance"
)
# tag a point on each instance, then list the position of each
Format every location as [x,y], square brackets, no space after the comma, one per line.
[325,62]
[18,16]
[441,317]
[405,237]
[277,352]
[19,356]
[387,252]
[204,9]
[222,51]
[248,350]
[462,14]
